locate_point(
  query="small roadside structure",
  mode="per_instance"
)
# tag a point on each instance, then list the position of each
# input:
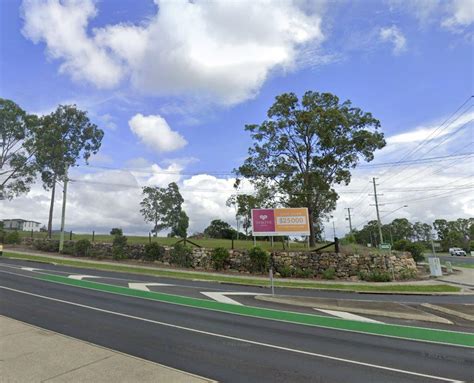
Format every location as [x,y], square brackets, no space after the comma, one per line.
[21,224]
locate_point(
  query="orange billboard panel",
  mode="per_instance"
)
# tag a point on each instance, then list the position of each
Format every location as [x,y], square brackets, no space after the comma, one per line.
[292,221]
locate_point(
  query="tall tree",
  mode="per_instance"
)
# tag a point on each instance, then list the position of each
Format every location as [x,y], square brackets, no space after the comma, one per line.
[401,229]
[220,229]
[441,227]
[17,165]
[162,207]
[422,231]
[244,203]
[62,139]
[180,229]
[306,147]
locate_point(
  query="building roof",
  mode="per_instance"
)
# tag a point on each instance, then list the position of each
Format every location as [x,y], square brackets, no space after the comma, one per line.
[21,220]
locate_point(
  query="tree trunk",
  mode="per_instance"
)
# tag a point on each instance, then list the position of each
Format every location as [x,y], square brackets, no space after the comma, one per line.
[51,208]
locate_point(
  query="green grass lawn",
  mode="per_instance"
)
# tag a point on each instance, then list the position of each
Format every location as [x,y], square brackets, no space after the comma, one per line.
[238,279]
[208,242]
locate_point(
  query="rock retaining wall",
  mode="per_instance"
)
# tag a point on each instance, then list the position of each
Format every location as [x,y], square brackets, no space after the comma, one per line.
[398,265]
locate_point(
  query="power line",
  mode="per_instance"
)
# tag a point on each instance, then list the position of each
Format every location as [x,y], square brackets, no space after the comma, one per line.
[427,139]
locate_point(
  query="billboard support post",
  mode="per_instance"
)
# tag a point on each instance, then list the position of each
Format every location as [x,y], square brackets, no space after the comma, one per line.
[254,241]
[271,240]
[271,280]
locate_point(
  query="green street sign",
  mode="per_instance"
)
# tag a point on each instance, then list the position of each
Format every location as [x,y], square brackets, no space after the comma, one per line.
[385,246]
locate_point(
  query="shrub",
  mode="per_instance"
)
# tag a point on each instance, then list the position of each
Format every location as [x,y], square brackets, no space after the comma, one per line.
[68,248]
[416,250]
[12,237]
[154,252]
[285,271]
[401,245]
[82,248]
[119,244]
[116,231]
[329,273]
[407,274]
[303,273]
[181,255]
[259,260]
[50,245]
[376,276]
[220,258]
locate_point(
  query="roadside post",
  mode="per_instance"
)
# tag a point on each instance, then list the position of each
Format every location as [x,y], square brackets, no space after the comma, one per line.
[387,247]
[1,249]
[271,274]
[449,267]
[435,264]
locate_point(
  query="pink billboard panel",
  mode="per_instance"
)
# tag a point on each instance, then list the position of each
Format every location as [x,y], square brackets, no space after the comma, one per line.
[263,221]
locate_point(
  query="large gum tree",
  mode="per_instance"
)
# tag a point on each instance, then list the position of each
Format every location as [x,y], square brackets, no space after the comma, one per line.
[308,146]
[17,155]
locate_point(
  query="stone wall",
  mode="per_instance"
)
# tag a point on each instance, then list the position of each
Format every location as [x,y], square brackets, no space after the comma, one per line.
[286,263]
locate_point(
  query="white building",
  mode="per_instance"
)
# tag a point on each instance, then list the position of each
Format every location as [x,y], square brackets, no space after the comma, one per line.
[21,224]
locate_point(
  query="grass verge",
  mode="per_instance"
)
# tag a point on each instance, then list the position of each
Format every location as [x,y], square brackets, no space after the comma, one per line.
[440,288]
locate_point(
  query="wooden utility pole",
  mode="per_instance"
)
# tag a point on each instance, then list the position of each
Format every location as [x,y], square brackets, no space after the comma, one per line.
[379,224]
[350,222]
[63,214]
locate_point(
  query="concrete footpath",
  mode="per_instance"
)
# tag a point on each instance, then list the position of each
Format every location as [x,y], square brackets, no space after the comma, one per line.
[462,276]
[32,354]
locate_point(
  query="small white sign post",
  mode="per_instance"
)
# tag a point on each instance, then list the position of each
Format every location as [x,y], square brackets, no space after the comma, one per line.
[435,267]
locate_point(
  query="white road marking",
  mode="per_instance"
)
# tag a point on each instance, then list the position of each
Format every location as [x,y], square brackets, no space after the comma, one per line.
[346,315]
[221,296]
[80,277]
[144,286]
[350,361]
[30,269]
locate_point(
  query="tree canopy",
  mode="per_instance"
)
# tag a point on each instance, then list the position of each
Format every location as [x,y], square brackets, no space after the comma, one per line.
[17,164]
[62,139]
[307,146]
[220,229]
[162,207]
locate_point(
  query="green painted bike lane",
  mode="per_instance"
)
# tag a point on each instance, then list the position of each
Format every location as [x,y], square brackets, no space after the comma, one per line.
[447,337]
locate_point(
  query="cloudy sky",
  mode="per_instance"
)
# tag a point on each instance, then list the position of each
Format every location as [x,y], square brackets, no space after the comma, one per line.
[173,82]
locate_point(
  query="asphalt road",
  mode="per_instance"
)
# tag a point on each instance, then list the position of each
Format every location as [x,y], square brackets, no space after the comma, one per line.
[223,346]
[457,260]
[189,285]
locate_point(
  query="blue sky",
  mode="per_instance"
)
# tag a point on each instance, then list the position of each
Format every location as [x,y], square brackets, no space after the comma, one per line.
[409,63]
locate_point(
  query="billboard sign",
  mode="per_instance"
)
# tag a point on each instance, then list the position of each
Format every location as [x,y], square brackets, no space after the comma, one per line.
[284,221]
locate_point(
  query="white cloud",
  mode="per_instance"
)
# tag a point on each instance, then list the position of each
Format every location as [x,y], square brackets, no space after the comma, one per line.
[424,204]
[437,129]
[461,14]
[221,50]
[63,27]
[110,198]
[154,132]
[395,36]
[453,15]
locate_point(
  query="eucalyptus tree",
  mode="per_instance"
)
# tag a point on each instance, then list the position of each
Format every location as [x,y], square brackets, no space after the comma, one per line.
[63,138]
[308,146]
[17,161]
[163,208]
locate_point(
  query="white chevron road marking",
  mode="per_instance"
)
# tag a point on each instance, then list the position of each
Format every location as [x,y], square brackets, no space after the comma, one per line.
[221,296]
[346,315]
[80,277]
[144,286]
